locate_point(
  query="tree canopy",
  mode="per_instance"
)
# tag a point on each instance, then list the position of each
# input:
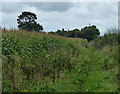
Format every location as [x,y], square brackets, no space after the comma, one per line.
[27,21]
[89,33]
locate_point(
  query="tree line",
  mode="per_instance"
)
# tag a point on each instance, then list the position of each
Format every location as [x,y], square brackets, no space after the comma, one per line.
[88,32]
[27,21]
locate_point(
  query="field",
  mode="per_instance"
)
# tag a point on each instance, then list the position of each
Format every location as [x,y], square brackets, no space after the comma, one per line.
[39,62]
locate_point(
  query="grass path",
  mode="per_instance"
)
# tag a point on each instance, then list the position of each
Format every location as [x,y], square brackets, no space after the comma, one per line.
[90,74]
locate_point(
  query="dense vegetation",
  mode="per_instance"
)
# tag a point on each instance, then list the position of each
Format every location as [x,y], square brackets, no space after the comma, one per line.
[88,32]
[39,62]
[27,21]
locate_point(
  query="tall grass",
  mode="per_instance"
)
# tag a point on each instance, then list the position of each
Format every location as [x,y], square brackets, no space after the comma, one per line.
[110,38]
[39,62]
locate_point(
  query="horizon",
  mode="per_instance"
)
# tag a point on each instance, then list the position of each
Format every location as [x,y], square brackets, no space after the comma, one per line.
[72,15]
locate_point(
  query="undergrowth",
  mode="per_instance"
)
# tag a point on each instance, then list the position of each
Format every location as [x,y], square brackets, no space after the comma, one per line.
[38,62]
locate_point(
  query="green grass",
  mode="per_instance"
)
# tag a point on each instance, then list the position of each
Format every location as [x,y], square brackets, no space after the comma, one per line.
[39,62]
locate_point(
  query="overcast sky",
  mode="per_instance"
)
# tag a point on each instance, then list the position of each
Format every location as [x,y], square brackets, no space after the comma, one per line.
[67,15]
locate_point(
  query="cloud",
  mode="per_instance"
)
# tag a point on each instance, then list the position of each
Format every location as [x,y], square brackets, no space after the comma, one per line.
[68,15]
[51,6]
[10,7]
[9,20]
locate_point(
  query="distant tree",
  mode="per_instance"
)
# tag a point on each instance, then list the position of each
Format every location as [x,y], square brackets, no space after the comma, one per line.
[61,32]
[71,34]
[38,27]
[27,21]
[74,33]
[63,29]
[90,32]
[51,32]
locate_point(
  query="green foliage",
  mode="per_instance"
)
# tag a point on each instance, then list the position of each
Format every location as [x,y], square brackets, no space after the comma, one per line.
[26,21]
[110,38]
[36,62]
[89,33]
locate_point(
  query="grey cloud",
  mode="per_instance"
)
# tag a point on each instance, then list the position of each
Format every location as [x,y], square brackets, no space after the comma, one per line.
[54,16]
[10,7]
[95,9]
[51,6]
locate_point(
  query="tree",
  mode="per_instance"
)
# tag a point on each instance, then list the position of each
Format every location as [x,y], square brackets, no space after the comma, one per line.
[90,32]
[61,32]
[38,27]
[27,21]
